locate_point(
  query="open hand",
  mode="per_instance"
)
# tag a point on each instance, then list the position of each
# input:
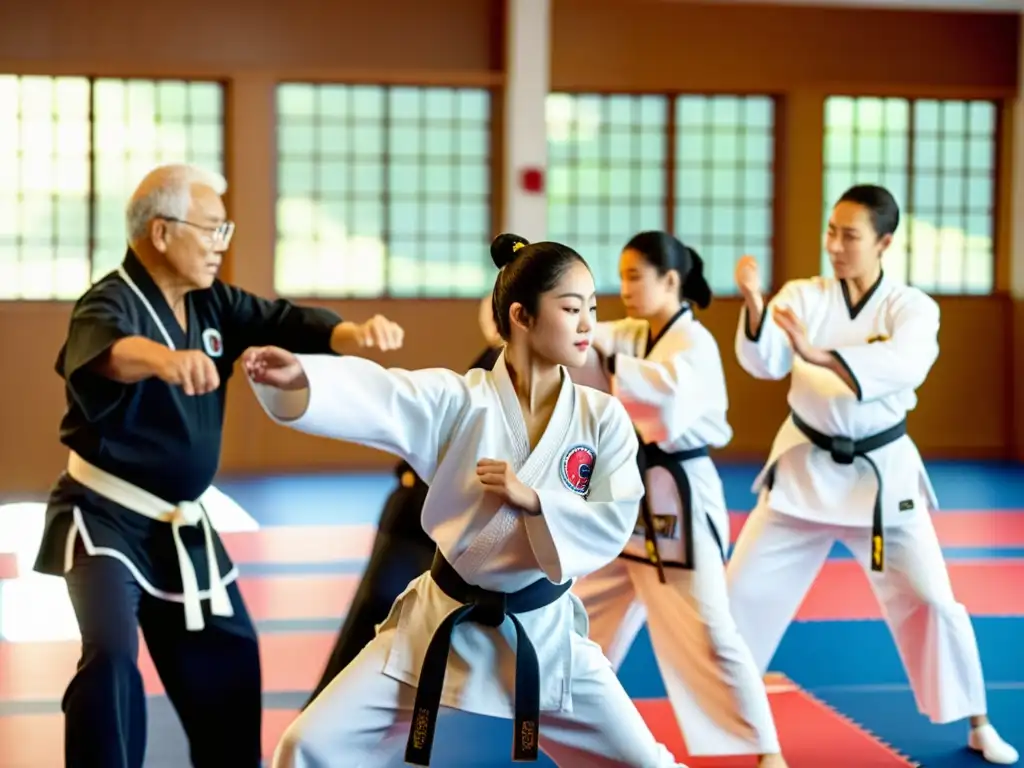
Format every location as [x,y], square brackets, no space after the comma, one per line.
[274,367]
[498,478]
[787,320]
[191,369]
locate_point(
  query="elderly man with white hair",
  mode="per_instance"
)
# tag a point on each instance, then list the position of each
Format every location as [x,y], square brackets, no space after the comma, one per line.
[148,354]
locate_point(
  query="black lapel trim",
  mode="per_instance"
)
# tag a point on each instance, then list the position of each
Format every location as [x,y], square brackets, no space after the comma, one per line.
[855,310]
[756,336]
[853,377]
[652,342]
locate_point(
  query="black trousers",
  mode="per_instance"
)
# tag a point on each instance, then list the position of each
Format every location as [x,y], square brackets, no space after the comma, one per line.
[212,677]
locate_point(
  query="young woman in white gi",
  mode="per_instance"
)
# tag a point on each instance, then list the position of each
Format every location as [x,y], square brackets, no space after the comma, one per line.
[401,548]
[533,482]
[666,369]
[856,347]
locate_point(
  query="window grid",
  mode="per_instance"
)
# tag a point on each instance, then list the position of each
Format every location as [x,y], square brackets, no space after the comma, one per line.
[383,191]
[701,167]
[71,151]
[607,156]
[938,159]
[724,190]
[137,125]
[954,180]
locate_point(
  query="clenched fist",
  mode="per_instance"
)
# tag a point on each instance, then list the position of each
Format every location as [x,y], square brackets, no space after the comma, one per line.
[194,371]
[381,333]
[748,277]
[499,478]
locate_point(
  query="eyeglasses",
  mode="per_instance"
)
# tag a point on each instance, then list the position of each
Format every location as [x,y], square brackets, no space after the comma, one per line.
[217,237]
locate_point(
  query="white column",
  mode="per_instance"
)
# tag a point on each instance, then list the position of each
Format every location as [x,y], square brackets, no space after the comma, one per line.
[527,66]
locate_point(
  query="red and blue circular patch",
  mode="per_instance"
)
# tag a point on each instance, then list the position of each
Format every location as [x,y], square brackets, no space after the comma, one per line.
[577,466]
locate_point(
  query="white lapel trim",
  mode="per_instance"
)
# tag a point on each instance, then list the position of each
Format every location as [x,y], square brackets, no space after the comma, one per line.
[529,465]
[145,302]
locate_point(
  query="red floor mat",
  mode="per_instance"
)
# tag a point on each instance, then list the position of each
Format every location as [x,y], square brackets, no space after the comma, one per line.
[989,588]
[301,544]
[331,543]
[1003,528]
[8,565]
[812,735]
[302,596]
[980,529]
[31,741]
[41,671]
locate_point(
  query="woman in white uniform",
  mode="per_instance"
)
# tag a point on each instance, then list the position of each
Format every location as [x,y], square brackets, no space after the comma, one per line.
[842,468]
[533,482]
[401,549]
[666,369]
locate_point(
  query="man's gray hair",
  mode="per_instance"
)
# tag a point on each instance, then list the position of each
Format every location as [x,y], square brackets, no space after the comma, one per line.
[167,191]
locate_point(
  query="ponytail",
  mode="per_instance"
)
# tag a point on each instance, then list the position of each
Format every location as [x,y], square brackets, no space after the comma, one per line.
[695,287]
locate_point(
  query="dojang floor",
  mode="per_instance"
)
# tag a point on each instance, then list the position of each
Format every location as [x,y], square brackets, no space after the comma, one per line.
[838,690]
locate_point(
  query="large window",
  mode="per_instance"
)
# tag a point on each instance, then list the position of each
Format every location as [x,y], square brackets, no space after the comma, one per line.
[616,160]
[725,156]
[71,151]
[44,187]
[606,162]
[938,160]
[139,124]
[383,191]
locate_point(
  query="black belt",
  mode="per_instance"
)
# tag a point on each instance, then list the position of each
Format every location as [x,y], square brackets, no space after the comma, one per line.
[481,606]
[650,456]
[844,450]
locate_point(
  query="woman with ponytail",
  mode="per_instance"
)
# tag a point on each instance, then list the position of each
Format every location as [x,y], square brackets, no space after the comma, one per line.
[665,368]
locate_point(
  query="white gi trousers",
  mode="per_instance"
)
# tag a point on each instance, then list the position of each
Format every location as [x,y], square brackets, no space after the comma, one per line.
[777,558]
[715,688]
[361,720]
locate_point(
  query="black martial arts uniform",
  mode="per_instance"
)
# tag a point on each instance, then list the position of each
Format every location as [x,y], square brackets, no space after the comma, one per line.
[154,449]
[401,552]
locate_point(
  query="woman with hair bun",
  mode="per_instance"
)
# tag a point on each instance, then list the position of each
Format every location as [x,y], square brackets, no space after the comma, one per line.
[665,368]
[533,483]
[401,549]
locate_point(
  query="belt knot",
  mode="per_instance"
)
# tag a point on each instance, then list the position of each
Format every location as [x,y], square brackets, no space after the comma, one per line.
[187,513]
[489,608]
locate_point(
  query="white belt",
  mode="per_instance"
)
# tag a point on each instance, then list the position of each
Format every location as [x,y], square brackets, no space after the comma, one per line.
[184,513]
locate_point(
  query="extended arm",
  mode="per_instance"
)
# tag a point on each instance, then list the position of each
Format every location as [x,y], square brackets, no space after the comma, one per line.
[664,399]
[574,536]
[604,336]
[255,321]
[410,414]
[251,321]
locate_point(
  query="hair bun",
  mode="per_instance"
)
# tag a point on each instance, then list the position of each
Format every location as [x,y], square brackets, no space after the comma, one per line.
[505,247]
